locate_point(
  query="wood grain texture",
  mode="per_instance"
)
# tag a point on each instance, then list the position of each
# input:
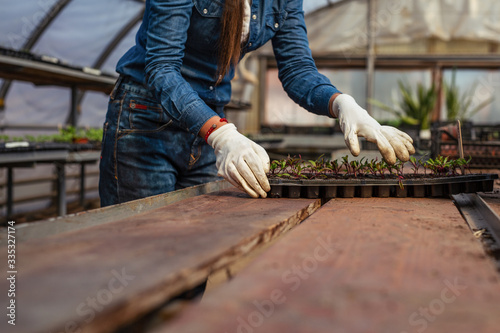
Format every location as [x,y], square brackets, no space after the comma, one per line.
[98,278]
[81,220]
[361,265]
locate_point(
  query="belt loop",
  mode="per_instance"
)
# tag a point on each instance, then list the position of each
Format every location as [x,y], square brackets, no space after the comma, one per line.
[115,88]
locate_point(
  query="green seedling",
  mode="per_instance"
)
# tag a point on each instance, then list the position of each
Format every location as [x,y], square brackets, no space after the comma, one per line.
[295,167]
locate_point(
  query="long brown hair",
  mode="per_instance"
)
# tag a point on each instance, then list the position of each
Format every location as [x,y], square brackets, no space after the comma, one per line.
[230,37]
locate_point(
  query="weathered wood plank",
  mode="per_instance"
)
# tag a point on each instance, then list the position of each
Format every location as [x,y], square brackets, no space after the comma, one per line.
[99,216]
[361,265]
[101,277]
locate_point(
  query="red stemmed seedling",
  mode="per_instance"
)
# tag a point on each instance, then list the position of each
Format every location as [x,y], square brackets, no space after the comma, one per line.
[297,168]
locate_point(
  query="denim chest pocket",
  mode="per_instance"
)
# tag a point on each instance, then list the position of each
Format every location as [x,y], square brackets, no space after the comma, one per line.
[209,8]
[204,28]
[275,20]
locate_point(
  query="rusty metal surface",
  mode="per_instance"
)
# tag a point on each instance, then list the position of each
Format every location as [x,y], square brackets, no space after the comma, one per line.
[482,220]
[492,199]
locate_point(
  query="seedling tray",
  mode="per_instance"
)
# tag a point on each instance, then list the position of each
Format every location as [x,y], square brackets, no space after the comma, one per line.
[18,147]
[372,187]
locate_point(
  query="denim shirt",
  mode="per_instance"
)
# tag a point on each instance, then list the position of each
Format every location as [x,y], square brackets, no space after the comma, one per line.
[176,56]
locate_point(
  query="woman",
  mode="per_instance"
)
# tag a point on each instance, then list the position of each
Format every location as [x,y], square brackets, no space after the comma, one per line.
[165,126]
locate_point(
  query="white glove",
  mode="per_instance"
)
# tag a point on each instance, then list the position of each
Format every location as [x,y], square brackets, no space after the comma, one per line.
[355,121]
[240,161]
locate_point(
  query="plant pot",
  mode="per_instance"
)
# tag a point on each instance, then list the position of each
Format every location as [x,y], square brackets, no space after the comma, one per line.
[347,191]
[80,140]
[329,192]
[383,191]
[425,134]
[376,187]
[365,191]
[418,191]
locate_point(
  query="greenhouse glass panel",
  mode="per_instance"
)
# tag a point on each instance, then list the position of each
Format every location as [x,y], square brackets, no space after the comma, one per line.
[20,20]
[386,88]
[281,110]
[478,86]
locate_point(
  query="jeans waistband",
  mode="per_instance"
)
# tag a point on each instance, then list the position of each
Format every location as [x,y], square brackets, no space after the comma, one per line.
[129,84]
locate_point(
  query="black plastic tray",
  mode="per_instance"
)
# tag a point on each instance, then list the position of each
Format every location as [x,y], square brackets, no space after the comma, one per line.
[46,146]
[33,146]
[384,188]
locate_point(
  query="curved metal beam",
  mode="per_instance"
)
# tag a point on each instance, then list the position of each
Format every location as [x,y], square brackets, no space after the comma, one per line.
[118,38]
[37,32]
[47,20]
[109,49]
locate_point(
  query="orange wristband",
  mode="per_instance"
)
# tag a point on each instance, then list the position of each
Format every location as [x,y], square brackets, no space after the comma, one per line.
[213,127]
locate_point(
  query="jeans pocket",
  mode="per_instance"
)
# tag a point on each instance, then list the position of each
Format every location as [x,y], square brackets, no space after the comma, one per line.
[142,115]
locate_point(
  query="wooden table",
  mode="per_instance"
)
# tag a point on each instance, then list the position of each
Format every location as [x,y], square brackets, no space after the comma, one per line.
[352,265]
[361,265]
[101,277]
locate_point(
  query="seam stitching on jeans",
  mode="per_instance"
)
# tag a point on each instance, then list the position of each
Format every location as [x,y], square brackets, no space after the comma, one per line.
[195,159]
[115,152]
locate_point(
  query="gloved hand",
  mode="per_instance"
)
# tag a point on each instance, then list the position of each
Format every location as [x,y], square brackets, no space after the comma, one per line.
[240,160]
[355,121]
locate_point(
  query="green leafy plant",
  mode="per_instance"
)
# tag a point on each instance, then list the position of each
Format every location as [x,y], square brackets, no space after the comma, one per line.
[346,164]
[381,167]
[319,167]
[462,164]
[277,168]
[416,164]
[296,168]
[372,167]
[358,167]
[65,135]
[460,105]
[415,107]
[290,167]
[444,166]
[334,166]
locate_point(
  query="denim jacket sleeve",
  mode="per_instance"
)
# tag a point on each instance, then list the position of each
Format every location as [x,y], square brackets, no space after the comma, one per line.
[297,70]
[167,32]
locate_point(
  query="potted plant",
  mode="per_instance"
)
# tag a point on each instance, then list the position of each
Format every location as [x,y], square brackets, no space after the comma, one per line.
[415,107]
[459,106]
[294,177]
[67,135]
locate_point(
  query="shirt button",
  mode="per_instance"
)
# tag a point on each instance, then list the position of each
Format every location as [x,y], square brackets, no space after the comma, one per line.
[254,16]
[211,88]
[205,11]
[250,44]
[276,25]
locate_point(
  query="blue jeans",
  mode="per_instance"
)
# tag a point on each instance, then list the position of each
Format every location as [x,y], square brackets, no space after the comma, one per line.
[145,152]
